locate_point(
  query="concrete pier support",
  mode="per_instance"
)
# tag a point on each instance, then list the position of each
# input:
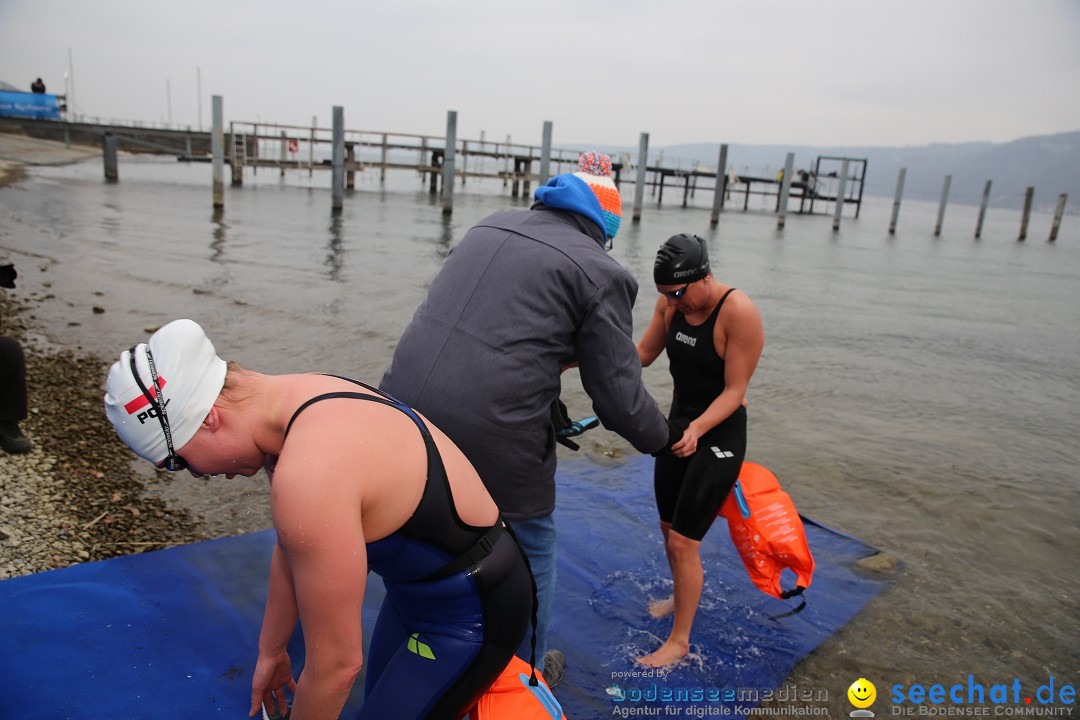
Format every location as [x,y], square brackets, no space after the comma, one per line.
[1059,211]
[337,162]
[896,200]
[109,144]
[642,163]
[545,155]
[217,151]
[448,163]
[941,207]
[350,166]
[841,190]
[1029,195]
[982,208]
[721,186]
[785,188]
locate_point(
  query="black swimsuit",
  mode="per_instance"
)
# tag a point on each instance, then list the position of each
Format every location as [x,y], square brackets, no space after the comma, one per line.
[458,598]
[689,491]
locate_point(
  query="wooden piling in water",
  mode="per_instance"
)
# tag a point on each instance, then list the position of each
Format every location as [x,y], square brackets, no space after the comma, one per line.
[337,162]
[642,162]
[382,167]
[217,151]
[896,200]
[941,207]
[448,163]
[785,188]
[311,147]
[350,166]
[721,186]
[982,209]
[283,154]
[1029,195]
[545,155]
[840,190]
[1059,212]
[108,155]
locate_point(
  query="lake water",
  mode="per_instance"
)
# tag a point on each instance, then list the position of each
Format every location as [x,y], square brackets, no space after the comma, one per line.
[918,392]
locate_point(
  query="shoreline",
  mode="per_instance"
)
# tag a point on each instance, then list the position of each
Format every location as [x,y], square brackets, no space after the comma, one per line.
[79,495]
[75,497]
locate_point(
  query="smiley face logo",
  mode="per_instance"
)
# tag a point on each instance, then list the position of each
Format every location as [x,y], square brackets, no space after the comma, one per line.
[862,693]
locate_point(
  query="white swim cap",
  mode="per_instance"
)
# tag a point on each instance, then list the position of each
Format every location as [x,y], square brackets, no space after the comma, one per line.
[190,378]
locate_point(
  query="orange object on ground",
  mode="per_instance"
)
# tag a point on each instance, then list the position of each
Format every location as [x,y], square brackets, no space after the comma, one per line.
[767,531]
[511,697]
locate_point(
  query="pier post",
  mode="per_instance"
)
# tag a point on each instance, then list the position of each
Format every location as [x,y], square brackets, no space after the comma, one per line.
[236,164]
[108,154]
[350,166]
[311,147]
[464,161]
[337,161]
[642,162]
[841,189]
[1063,199]
[1029,194]
[423,158]
[217,151]
[982,208]
[900,177]
[941,207]
[545,155]
[382,168]
[282,156]
[448,163]
[785,189]
[506,167]
[721,186]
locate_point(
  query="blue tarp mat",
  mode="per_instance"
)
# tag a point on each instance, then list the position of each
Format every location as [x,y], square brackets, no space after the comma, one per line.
[176,631]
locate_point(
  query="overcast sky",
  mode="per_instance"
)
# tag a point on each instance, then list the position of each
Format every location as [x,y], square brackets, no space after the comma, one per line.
[787,72]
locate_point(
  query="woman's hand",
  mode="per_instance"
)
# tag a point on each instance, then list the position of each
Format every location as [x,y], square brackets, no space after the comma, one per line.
[687,446]
[273,674]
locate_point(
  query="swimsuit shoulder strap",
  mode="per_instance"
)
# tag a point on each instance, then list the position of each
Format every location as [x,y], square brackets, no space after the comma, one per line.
[716,310]
[379,397]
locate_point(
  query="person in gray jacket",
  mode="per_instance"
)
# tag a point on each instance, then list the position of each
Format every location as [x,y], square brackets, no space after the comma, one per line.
[524,295]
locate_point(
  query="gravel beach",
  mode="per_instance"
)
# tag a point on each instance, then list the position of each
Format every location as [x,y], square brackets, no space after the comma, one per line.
[77,496]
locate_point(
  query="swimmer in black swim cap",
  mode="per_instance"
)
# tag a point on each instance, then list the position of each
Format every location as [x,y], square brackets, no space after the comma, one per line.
[682,260]
[712,335]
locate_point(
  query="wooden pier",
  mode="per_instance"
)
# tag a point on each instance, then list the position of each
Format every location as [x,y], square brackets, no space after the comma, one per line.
[288,148]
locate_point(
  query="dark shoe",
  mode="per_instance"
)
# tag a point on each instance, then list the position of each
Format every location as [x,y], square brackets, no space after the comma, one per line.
[12,439]
[554,667]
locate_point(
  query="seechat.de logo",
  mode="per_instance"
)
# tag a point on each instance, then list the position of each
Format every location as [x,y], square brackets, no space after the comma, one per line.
[862,695]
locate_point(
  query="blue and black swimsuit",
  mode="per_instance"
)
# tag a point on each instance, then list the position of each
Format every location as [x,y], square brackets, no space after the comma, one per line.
[458,599]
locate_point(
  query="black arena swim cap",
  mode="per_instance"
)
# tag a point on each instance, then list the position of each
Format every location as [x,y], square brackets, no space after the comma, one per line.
[682,259]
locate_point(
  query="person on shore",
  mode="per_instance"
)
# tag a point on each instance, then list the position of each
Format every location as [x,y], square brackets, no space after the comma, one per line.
[524,295]
[713,336]
[38,86]
[359,482]
[13,395]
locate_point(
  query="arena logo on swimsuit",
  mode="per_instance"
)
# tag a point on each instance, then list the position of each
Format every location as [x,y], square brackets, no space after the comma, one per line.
[686,339]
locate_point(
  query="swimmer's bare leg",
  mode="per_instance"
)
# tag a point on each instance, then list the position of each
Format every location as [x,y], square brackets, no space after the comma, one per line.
[689,578]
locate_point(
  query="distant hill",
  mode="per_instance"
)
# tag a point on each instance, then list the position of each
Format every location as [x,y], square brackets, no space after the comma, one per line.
[1049,163]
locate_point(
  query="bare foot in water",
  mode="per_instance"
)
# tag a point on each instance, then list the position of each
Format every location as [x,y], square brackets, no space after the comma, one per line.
[669,653]
[663,607]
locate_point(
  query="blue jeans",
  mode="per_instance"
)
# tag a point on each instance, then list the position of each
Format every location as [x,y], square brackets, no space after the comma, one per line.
[538,539]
